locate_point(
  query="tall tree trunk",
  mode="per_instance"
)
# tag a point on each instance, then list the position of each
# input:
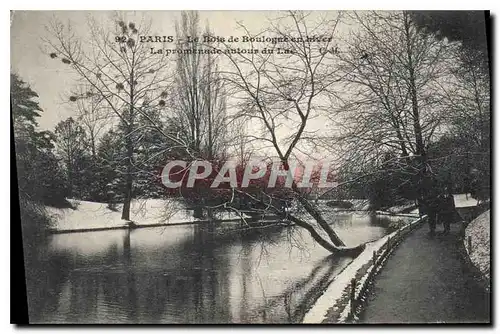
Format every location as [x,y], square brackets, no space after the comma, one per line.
[92,143]
[130,150]
[209,109]
[423,177]
[70,177]
[128,178]
[419,144]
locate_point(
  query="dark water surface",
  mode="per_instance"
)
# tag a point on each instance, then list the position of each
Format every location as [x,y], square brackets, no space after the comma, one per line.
[186,274]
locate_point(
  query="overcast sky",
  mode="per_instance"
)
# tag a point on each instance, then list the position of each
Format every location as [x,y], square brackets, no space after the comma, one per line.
[52,80]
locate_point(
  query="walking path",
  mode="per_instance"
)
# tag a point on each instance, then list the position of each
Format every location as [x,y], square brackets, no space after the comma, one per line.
[425,281]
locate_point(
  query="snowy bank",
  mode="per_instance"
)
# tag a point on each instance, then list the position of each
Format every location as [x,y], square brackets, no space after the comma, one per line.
[479,231]
[464,201]
[461,201]
[149,212]
[409,208]
[334,304]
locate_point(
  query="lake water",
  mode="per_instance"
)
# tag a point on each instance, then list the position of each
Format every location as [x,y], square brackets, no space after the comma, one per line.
[187,274]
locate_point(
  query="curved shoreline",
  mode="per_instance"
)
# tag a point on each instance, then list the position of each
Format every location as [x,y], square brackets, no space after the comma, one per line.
[335,304]
[128,226]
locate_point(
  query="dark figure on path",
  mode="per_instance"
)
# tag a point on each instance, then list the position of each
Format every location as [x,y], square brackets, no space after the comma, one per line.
[447,211]
[430,207]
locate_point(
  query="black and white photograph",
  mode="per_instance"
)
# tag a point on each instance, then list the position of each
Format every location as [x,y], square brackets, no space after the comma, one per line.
[252,167]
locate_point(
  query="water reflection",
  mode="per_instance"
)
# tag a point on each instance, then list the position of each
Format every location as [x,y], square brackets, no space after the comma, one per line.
[186,274]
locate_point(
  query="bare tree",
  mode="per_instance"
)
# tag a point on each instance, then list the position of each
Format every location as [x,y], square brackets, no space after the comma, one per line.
[71,148]
[280,90]
[393,75]
[119,69]
[240,141]
[468,98]
[199,101]
[93,115]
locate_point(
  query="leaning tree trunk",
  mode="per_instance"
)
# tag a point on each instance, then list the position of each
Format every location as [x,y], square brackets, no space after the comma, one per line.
[313,211]
[334,249]
[335,245]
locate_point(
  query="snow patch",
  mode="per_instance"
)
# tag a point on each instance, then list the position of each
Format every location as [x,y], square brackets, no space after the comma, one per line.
[318,313]
[334,291]
[464,200]
[479,231]
[94,215]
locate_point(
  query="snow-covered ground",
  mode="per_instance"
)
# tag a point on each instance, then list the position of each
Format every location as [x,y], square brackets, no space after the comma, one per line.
[318,313]
[93,215]
[464,200]
[461,201]
[479,231]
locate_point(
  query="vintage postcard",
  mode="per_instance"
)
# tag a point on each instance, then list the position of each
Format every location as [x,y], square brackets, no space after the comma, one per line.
[253,167]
